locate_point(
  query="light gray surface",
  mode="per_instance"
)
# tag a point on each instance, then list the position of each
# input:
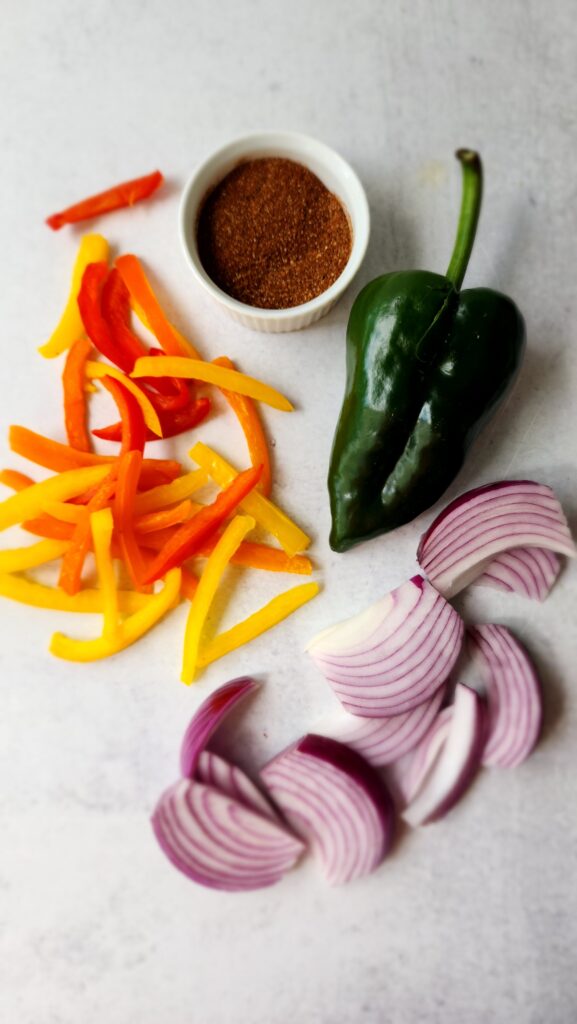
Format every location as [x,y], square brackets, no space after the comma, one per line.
[472,920]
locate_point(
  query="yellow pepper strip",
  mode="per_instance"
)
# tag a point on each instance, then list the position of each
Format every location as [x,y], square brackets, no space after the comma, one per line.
[275,611]
[95,370]
[207,587]
[197,369]
[64,511]
[93,249]
[86,601]
[187,347]
[127,632]
[28,504]
[169,494]
[101,526]
[267,515]
[16,559]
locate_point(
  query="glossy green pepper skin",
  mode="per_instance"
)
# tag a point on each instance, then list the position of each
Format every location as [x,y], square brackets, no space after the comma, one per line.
[427,364]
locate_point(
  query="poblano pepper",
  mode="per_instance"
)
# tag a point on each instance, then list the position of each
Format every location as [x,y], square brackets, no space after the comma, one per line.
[427,364]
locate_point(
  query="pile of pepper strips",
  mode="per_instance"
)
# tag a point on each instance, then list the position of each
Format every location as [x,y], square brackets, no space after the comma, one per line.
[139,511]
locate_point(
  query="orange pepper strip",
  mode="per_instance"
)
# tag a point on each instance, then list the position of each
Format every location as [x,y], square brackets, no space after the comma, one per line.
[142,294]
[48,526]
[188,583]
[129,468]
[60,457]
[262,556]
[15,480]
[73,379]
[246,412]
[165,517]
[70,578]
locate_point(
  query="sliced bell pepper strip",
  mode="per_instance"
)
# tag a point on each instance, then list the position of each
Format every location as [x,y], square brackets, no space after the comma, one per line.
[170,494]
[197,369]
[15,480]
[129,469]
[172,423]
[17,559]
[249,419]
[133,428]
[29,503]
[188,583]
[94,323]
[70,577]
[92,249]
[188,538]
[96,370]
[66,511]
[60,457]
[148,309]
[73,380]
[48,526]
[162,518]
[127,193]
[101,526]
[115,310]
[272,613]
[207,588]
[128,631]
[262,556]
[89,601]
[267,515]
[170,393]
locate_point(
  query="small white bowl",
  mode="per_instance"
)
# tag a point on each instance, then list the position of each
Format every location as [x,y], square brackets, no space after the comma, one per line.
[332,170]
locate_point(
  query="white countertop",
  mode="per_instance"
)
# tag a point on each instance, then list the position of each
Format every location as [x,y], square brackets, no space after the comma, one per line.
[471,920]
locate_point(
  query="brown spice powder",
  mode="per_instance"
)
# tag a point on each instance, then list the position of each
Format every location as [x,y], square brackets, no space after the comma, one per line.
[271,235]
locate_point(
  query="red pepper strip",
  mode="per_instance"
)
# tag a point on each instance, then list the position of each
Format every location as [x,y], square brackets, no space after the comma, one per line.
[246,412]
[72,563]
[115,306]
[129,468]
[142,294]
[132,426]
[188,583]
[248,554]
[96,327]
[59,457]
[15,480]
[172,423]
[192,534]
[127,193]
[74,386]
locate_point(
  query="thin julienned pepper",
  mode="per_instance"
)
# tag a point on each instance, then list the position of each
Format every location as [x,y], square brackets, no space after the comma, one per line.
[249,419]
[132,426]
[210,373]
[49,527]
[189,537]
[70,578]
[172,423]
[15,480]
[85,602]
[129,470]
[208,584]
[262,556]
[127,193]
[291,538]
[170,394]
[18,559]
[170,494]
[92,249]
[94,323]
[427,364]
[162,518]
[148,309]
[127,632]
[29,503]
[73,381]
[61,457]
[101,526]
[96,371]
[265,618]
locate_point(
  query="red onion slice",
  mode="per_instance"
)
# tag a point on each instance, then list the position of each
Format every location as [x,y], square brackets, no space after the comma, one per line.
[480,524]
[457,763]
[513,695]
[230,779]
[220,843]
[406,776]
[394,655]
[527,571]
[207,719]
[383,740]
[336,802]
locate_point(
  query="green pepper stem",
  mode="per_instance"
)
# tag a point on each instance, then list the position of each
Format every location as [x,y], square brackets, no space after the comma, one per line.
[469,215]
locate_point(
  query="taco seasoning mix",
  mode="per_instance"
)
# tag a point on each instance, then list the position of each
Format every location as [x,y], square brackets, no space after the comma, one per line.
[270,234]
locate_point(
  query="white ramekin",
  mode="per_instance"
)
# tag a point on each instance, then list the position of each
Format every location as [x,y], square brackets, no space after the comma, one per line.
[332,170]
